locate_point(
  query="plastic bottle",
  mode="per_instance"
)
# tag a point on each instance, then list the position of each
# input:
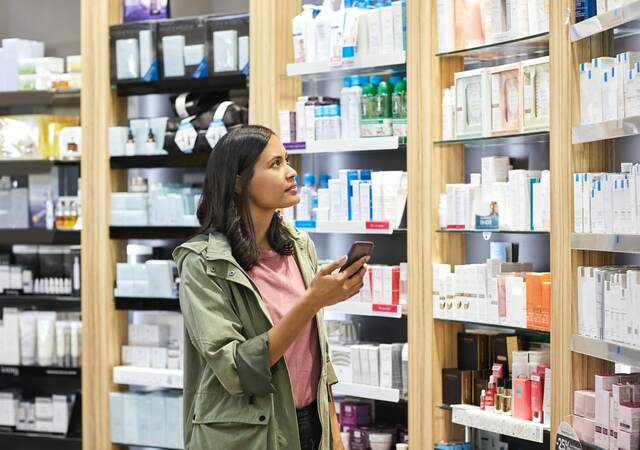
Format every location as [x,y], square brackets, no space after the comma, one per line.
[383,100]
[323,23]
[307,46]
[307,192]
[350,31]
[354,109]
[334,122]
[49,212]
[298,28]
[344,107]
[338,22]
[324,180]
[399,110]
[369,92]
[319,123]
[362,46]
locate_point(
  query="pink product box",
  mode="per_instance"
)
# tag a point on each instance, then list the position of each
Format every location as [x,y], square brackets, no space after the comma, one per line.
[606,382]
[603,400]
[355,414]
[629,417]
[601,437]
[628,441]
[585,429]
[360,438]
[584,404]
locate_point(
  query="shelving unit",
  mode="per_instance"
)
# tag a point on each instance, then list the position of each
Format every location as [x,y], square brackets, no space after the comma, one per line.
[36,371]
[368,309]
[492,139]
[159,161]
[619,243]
[144,376]
[350,228]
[41,302]
[608,351]
[360,65]
[152,232]
[10,99]
[539,335]
[27,166]
[345,145]
[368,392]
[611,129]
[147,304]
[216,83]
[606,21]
[27,441]
[474,417]
[529,45]
[38,236]
[490,232]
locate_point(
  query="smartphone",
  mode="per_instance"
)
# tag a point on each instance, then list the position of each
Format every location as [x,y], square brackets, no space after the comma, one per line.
[357,251]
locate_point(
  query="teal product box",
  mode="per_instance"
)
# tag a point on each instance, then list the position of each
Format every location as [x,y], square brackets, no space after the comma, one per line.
[116,411]
[183,48]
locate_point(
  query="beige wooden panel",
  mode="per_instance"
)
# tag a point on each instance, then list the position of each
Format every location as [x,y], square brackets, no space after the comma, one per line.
[103,326]
[271,48]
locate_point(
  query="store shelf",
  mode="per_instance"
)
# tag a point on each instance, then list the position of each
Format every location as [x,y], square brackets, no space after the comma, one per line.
[612,129]
[147,304]
[373,227]
[619,243]
[159,161]
[37,236]
[474,417]
[368,309]
[41,441]
[609,351]
[216,83]
[534,45]
[456,231]
[28,166]
[10,99]
[143,376]
[605,21]
[152,232]
[368,392]
[346,145]
[589,446]
[492,139]
[36,371]
[536,335]
[361,65]
[41,302]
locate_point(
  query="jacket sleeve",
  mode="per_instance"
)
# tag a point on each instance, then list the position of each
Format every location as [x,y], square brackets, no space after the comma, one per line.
[240,364]
[332,378]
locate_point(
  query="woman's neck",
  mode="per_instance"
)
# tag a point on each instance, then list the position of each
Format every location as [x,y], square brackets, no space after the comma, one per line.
[261,219]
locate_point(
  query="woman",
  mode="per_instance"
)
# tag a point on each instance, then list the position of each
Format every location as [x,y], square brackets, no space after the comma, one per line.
[257,373]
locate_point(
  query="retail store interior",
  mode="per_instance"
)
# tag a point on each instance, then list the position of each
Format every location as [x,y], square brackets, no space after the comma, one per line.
[487,148]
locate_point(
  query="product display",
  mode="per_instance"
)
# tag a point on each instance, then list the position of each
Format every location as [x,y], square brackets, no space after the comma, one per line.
[135,10]
[498,198]
[154,278]
[38,136]
[146,418]
[366,107]
[42,414]
[359,431]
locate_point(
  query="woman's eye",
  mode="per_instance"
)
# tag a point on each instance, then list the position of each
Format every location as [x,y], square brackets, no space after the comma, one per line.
[276,163]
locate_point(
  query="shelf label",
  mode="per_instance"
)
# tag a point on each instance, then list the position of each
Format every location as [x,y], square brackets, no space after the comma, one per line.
[382,308]
[305,223]
[376,225]
[61,372]
[7,370]
[567,439]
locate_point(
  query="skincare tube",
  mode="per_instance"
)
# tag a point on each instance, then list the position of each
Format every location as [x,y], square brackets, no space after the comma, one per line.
[46,338]
[76,343]
[28,338]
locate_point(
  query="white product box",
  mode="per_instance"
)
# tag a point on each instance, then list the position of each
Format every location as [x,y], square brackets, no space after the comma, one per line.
[11,337]
[473,103]
[390,366]
[60,414]
[8,409]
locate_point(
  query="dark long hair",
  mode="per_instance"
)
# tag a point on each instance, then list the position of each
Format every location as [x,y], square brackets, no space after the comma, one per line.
[223,210]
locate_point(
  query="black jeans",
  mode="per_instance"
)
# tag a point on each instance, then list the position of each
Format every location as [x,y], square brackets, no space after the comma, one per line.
[309,427]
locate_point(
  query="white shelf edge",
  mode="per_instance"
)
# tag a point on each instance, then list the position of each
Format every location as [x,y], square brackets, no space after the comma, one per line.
[609,351]
[368,392]
[366,309]
[605,21]
[144,376]
[474,417]
[611,129]
[360,63]
[348,145]
[346,227]
[619,243]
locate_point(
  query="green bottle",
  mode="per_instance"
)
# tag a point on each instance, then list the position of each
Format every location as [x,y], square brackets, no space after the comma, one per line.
[369,91]
[399,110]
[383,100]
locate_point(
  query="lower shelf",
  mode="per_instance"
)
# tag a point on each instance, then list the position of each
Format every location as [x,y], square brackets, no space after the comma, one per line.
[28,441]
[37,371]
[41,302]
[147,304]
[144,376]
[474,417]
[609,351]
[369,392]
[368,309]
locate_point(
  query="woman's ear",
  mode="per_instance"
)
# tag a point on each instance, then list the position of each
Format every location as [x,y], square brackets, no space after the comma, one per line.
[238,185]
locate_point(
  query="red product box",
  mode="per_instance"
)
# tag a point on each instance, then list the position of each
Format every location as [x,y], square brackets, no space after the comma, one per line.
[522,398]
[537,395]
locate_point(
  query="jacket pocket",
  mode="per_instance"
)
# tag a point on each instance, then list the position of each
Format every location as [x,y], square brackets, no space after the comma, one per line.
[229,422]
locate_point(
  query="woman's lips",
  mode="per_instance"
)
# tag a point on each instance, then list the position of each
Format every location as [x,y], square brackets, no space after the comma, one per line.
[293,189]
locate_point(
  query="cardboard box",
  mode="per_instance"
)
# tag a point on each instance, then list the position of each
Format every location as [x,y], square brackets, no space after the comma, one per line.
[473,351]
[456,386]
[584,404]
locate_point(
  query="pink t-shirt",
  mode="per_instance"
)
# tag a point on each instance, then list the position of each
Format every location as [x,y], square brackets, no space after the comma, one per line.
[281,285]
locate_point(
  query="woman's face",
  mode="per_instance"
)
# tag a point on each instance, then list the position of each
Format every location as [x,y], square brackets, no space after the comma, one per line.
[273,184]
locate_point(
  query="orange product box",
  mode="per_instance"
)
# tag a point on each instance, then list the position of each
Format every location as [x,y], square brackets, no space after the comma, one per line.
[534,296]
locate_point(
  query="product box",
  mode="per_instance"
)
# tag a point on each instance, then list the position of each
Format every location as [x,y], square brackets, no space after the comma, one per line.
[628,441]
[355,414]
[457,386]
[502,348]
[536,310]
[506,99]
[391,366]
[134,52]
[183,48]
[473,103]
[585,429]
[535,94]
[522,398]
[227,36]
[584,404]
[33,136]
[473,351]
[629,418]
[136,10]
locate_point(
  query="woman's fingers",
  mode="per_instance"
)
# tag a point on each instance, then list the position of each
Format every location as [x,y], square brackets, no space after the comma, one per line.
[328,268]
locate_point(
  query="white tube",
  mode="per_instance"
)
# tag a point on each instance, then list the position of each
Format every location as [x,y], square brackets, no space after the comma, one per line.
[60,342]
[46,338]
[28,338]
[76,344]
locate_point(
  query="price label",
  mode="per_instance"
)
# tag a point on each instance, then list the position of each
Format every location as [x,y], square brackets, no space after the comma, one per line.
[566,438]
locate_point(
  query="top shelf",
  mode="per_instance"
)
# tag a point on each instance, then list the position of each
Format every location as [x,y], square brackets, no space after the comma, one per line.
[216,83]
[606,21]
[370,64]
[10,99]
[532,46]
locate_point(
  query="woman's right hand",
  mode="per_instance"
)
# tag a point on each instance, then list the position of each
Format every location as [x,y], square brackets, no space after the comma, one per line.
[329,288]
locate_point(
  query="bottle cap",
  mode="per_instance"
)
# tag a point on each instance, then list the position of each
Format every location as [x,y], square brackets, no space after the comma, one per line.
[346,82]
[309,179]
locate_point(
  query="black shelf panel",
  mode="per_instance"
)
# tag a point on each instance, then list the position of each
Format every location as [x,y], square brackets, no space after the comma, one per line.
[531,334]
[216,83]
[11,99]
[147,304]
[37,236]
[159,161]
[158,232]
[40,372]
[41,302]
[28,166]
[28,441]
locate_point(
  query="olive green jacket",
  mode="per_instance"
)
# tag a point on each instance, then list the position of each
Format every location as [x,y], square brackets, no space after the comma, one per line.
[232,399]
